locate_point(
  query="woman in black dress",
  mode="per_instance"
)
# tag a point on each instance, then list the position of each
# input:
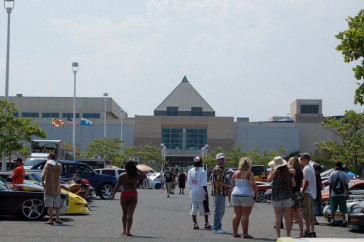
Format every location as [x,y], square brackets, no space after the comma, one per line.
[182,177]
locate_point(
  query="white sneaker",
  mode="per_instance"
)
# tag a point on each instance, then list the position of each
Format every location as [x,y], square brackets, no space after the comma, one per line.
[219,231]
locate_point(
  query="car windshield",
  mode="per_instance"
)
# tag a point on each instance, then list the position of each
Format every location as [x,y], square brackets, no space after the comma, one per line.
[36,176]
[32,162]
[2,186]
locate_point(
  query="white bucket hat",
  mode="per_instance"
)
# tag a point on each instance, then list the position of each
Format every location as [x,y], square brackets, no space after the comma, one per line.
[220,156]
[277,162]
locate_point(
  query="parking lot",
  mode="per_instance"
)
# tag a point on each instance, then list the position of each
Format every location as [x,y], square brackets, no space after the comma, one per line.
[157,218]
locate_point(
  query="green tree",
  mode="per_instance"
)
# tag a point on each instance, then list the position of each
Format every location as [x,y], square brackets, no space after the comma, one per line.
[352,47]
[210,160]
[348,142]
[150,155]
[111,149]
[127,153]
[234,155]
[25,150]
[107,148]
[15,130]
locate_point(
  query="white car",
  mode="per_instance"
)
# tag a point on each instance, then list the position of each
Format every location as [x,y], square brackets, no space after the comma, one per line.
[351,204]
[110,171]
[155,180]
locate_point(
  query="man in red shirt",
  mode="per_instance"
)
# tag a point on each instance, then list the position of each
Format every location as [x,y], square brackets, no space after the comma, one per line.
[18,174]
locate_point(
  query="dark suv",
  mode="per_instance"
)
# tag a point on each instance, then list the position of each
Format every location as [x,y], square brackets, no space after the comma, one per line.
[103,184]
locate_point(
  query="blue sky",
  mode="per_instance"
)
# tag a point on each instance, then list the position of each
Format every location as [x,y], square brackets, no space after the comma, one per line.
[246,58]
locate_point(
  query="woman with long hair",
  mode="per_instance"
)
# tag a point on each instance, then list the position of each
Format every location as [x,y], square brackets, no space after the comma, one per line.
[243,196]
[283,181]
[297,198]
[129,194]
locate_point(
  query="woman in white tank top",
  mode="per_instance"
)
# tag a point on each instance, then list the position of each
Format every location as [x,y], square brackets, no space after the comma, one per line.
[243,196]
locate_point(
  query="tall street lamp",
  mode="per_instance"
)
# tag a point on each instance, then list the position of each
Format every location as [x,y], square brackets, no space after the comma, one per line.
[204,151]
[8,5]
[163,153]
[74,69]
[122,115]
[105,96]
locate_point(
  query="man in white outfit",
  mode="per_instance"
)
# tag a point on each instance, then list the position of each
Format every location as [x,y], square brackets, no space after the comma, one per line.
[309,194]
[197,181]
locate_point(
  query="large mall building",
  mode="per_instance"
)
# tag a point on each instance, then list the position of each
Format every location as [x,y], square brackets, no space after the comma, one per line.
[184,122]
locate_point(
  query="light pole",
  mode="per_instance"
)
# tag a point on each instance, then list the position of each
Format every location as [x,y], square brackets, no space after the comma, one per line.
[74,69]
[122,113]
[8,5]
[164,153]
[204,151]
[105,95]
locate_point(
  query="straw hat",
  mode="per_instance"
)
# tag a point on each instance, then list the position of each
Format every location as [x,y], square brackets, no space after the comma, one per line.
[277,162]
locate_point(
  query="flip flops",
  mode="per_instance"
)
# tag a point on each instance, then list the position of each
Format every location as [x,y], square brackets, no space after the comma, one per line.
[248,237]
[48,222]
[59,222]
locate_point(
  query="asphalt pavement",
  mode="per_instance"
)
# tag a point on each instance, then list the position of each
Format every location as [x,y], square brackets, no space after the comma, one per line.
[157,218]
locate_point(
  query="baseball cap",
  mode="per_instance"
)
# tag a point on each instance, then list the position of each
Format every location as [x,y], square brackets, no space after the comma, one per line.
[18,159]
[220,156]
[230,170]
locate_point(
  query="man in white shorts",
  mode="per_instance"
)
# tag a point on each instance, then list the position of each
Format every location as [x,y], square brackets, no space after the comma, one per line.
[197,181]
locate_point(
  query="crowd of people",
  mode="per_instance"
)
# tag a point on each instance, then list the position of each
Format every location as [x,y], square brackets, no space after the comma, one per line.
[296,192]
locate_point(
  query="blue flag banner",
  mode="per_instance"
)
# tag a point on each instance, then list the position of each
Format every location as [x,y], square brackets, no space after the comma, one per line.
[85,122]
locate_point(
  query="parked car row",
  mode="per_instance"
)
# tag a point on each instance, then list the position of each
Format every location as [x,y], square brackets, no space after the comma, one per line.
[32,183]
[103,184]
[28,205]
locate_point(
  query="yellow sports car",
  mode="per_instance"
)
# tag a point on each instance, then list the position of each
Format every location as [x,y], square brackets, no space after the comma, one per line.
[76,204]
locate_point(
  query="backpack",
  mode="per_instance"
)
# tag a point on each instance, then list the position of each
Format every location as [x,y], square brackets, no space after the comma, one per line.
[338,187]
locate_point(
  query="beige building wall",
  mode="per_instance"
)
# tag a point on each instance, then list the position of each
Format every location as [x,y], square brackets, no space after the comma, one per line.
[311,134]
[300,117]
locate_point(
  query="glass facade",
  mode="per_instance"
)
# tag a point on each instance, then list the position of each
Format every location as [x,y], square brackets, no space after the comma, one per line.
[70,115]
[196,111]
[30,115]
[91,115]
[309,109]
[50,115]
[172,111]
[181,138]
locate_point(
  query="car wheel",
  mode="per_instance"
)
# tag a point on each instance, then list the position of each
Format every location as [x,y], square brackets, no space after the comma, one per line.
[106,191]
[157,186]
[261,197]
[32,209]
